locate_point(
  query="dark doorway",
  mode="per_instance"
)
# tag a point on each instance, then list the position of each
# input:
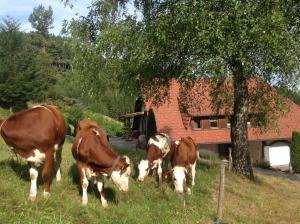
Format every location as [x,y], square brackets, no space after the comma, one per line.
[224,151]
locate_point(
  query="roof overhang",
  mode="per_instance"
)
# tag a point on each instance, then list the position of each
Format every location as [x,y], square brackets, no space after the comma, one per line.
[132,115]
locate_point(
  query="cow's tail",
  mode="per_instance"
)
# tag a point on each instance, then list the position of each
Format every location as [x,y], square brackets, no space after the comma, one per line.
[198,155]
[1,124]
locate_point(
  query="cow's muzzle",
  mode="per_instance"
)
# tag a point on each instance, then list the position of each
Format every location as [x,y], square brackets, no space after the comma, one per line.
[179,191]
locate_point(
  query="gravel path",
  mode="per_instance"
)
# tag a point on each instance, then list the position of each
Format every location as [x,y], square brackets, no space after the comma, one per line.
[275,173]
[122,143]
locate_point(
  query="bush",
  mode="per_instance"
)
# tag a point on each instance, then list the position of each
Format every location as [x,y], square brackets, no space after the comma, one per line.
[295,152]
[264,164]
[19,106]
[73,116]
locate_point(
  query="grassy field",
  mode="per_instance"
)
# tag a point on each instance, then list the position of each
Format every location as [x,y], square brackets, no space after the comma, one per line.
[268,200]
[144,203]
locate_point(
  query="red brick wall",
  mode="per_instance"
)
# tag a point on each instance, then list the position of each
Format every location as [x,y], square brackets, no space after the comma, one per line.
[170,120]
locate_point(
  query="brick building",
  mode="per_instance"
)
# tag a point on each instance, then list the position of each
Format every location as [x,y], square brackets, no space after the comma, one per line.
[212,131]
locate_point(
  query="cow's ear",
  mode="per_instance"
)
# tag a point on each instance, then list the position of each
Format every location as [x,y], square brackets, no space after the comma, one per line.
[186,171]
[127,160]
[187,175]
[125,169]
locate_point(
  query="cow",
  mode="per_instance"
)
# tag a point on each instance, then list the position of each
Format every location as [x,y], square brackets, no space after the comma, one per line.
[95,159]
[158,149]
[37,135]
[183,157]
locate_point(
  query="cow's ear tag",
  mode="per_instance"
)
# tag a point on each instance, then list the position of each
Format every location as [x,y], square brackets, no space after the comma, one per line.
[95,131]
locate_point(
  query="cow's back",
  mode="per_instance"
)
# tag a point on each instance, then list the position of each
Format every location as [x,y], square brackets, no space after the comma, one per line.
[184,153]
[90,149]
[39,127]
[60,123]
[87,124]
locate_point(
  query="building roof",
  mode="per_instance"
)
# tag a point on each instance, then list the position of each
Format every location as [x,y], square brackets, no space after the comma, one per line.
[173,120]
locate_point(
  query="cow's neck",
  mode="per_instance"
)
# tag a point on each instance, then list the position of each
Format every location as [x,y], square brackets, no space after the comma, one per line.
[108,170]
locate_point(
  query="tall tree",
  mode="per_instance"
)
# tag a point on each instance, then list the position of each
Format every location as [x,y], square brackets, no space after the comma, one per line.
[92,62]
[236,40]
[16,74]
[41,19]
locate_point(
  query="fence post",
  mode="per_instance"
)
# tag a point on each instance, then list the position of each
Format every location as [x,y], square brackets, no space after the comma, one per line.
[221,190]
[230,159]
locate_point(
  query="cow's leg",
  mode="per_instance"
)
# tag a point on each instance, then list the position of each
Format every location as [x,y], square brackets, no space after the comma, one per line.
[47,171]
[159,173]
[188,181]
[193,173]
[57,163]
[33,187]
[84,183]
[100,186]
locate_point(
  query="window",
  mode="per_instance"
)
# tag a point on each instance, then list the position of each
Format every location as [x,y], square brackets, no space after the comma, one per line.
[209,122]
[213,123]
[197,124]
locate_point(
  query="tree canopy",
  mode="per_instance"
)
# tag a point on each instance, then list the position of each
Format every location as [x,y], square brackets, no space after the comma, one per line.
[41,19]
[219,40]
[235,41]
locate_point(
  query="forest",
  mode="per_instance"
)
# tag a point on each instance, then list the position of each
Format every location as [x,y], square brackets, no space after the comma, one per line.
[66,69]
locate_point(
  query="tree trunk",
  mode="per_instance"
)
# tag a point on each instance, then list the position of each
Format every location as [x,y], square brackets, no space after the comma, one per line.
[239,133]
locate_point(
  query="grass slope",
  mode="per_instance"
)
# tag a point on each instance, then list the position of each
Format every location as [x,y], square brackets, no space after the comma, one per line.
[268,200]
[144,203]
[114,127]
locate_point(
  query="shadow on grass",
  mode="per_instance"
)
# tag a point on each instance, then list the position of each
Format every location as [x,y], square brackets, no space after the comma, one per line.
[135,172]
[22,170]
[109,193]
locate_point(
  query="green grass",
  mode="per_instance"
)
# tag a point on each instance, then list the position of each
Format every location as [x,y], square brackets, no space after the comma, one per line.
[3,113]
[114,127]
[144,203]
[268,200]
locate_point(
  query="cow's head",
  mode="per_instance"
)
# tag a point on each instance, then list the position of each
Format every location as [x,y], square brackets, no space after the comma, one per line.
[179,177]
[121,176]
[144,169]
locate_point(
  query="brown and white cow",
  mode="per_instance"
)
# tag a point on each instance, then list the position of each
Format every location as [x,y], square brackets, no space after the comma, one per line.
[183,160]
[95,159]
[158,149]
[36,135]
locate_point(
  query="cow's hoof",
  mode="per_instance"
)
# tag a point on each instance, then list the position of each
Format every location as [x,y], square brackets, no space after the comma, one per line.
[188,191]
[105,204]
[32,198]
[46,194]
[58,178]
[84,202]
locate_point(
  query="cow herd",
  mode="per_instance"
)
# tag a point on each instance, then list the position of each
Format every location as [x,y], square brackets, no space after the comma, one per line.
[37,135]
